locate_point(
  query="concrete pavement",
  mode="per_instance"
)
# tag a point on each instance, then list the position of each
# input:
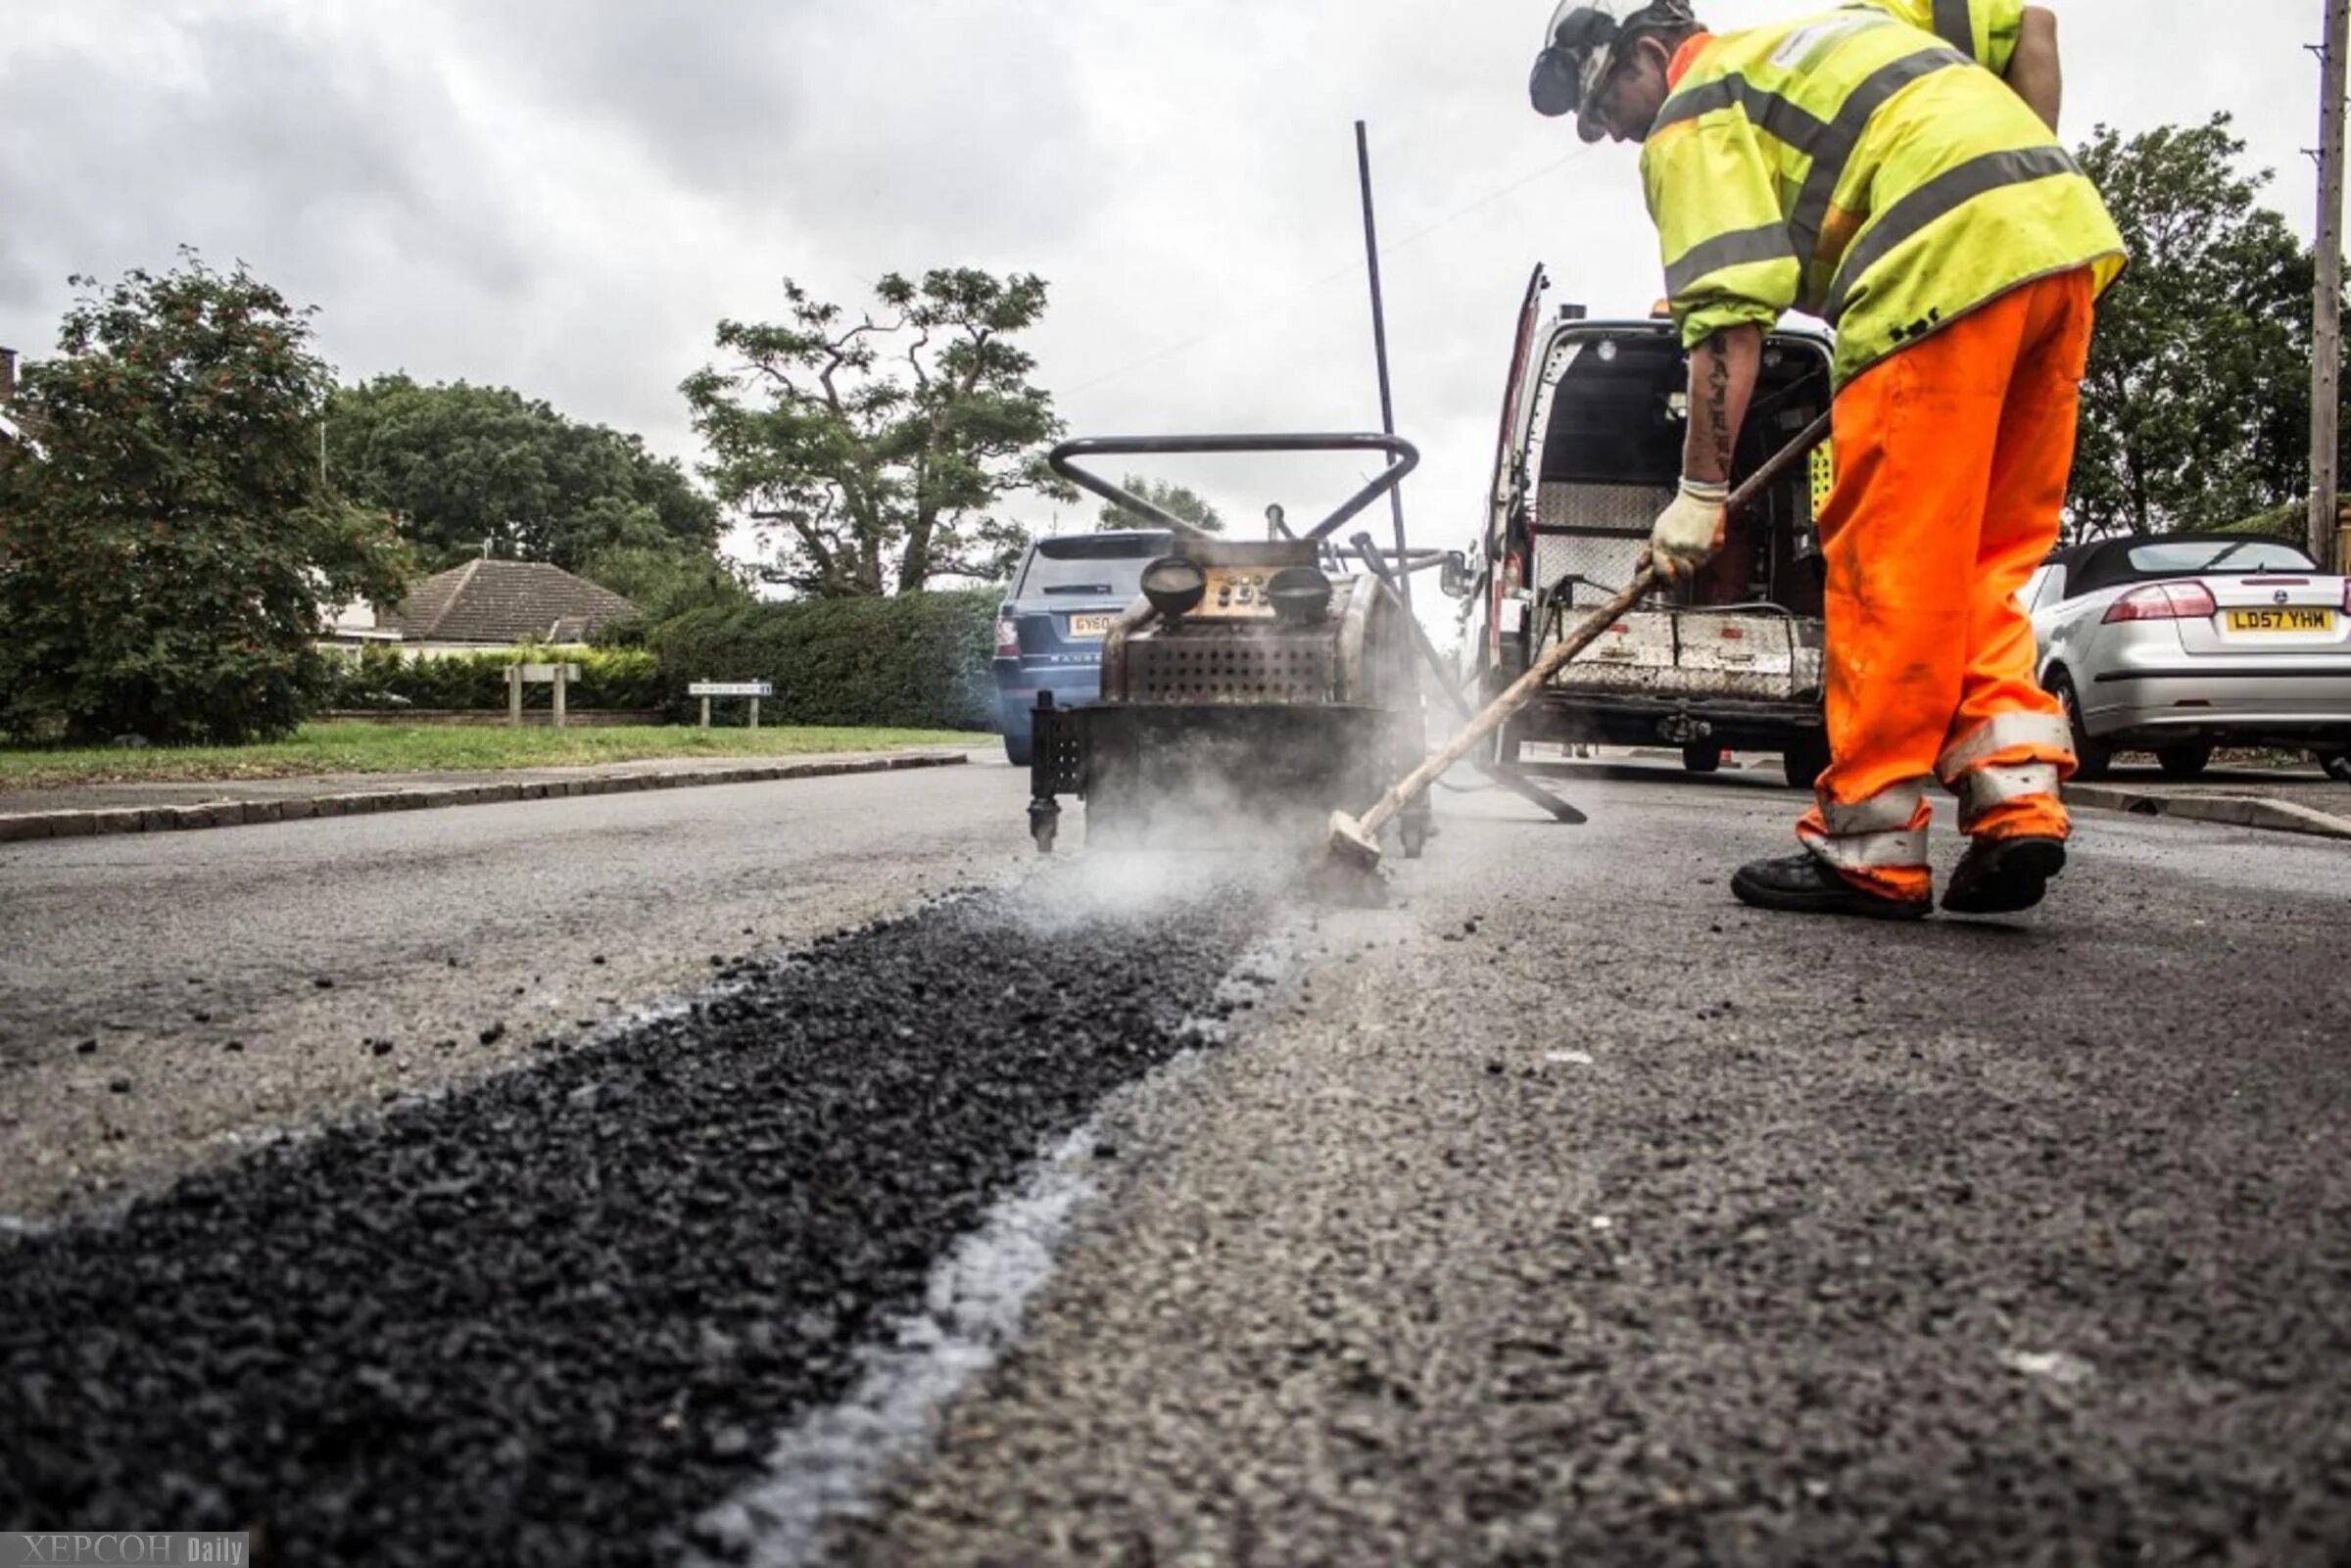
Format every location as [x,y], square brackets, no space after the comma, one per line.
[82,811]
[2295,800]
[2299,800]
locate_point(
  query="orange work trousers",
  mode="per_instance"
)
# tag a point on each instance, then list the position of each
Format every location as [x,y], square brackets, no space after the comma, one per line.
[1951,462]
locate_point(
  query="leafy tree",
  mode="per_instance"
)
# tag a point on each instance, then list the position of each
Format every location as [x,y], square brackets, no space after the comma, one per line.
[165,569]
[663,582]
[2195,408]
[1180,500]
[877,448]
[460,464]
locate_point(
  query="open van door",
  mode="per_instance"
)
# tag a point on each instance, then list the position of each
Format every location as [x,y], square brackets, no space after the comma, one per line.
[1595,421]
[1509,473]
[1497,609]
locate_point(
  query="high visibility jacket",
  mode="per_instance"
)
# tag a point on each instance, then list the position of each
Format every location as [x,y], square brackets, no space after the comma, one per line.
[1983,31]
[1853,166]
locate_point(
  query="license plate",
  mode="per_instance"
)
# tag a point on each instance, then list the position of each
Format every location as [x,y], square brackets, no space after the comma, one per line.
[2282,620]
[1091,625]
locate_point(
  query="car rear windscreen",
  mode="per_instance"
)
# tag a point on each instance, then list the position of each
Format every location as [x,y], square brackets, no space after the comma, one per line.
[2180,557]
[1091,566]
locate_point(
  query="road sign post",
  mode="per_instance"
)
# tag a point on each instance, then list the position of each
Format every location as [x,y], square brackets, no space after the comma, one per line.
[753,689]
[559,676]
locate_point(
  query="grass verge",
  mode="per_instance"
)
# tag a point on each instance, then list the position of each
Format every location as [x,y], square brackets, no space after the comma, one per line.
[356,748]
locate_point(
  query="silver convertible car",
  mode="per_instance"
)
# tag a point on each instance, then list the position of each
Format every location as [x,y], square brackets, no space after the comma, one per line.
[2178,642]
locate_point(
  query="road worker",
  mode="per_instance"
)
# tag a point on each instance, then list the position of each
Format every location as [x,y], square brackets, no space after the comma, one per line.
[2014,41]
[1864,169]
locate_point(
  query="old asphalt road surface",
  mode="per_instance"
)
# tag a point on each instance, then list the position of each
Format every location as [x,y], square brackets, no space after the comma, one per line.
[1560,1212]
[164,997]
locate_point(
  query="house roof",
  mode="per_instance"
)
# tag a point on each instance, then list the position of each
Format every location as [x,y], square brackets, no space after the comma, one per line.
[507,601]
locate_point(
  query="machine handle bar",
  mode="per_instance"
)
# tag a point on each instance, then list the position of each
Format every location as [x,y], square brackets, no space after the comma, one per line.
[1402,459]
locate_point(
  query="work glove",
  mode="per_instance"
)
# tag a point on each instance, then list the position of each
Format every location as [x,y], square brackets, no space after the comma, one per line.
[1689,532]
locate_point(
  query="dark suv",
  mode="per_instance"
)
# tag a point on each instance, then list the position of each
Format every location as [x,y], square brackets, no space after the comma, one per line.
[1049,632]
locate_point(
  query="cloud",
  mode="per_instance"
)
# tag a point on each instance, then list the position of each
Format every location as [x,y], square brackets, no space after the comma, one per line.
[277,137]
[567,197]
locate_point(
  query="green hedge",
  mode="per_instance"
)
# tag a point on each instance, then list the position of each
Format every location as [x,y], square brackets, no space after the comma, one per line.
[915,661]
[379,678]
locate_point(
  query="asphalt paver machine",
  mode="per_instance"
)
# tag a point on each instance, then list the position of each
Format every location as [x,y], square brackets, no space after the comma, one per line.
[1254,684]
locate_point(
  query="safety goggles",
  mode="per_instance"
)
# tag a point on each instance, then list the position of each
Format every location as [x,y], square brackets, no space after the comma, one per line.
[1577,54]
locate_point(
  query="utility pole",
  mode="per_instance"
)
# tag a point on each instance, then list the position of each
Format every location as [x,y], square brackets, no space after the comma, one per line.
[2328,539]
[1380,346]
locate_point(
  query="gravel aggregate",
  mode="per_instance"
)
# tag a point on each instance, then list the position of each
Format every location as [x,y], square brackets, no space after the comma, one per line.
[553,1317]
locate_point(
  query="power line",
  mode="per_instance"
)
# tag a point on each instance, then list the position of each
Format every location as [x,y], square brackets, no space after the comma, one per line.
[1487,200]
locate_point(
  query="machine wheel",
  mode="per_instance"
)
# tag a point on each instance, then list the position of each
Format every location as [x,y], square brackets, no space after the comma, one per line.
[2183,762]
[2337,766]
[1020,749]
[2093,759]
[1044,824]
[1805,759]
[1412,834]
[1702,756]
[1505,746]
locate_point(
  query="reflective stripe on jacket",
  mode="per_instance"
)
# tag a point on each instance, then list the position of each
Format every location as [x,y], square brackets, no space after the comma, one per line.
[1851,166]
[1983,31]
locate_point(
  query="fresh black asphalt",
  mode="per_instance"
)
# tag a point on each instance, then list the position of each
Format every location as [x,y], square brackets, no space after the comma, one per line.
[551,1319]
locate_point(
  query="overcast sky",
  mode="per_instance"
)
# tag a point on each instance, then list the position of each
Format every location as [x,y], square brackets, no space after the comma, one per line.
[565,196]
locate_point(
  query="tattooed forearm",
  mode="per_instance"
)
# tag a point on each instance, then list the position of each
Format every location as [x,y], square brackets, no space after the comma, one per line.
[1722,378]
[1719,402]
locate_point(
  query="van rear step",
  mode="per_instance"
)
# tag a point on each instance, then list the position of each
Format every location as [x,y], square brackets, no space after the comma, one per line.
[1767,657]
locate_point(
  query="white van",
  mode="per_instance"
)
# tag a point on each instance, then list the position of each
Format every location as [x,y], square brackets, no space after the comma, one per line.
[1589,454]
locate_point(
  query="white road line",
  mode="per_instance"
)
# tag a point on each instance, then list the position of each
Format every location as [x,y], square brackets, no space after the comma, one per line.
[832,1463]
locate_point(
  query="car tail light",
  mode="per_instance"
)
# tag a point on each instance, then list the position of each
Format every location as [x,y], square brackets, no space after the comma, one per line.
[1008,639]
[2163,601]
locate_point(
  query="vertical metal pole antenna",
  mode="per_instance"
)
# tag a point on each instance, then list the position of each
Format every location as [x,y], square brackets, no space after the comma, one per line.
[2326,367]
[1379,343]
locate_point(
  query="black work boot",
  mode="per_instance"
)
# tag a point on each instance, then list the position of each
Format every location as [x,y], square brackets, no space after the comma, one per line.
[1806,884]
[2002,875]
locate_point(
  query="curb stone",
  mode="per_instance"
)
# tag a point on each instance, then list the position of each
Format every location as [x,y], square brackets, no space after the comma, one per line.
[29,827]
[2236,811]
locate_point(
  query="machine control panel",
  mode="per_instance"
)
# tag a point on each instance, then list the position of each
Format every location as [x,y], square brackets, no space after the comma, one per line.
[1236,593]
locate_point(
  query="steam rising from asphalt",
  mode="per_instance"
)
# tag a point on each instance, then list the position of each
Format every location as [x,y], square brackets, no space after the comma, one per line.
[1209,839]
